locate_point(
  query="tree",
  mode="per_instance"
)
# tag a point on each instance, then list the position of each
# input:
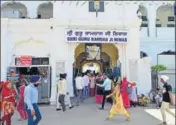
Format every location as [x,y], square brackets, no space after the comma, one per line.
[157,69]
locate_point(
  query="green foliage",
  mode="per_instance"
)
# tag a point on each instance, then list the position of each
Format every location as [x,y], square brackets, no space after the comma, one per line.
[159,68]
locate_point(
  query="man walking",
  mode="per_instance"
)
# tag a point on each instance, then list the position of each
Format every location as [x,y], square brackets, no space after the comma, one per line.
[62,91]
[167,99]
[86,90]
[31,100]
[107,84]
[79,88]
[66,98]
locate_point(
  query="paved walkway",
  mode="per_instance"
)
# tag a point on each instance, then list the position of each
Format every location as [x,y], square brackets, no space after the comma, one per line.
[89,114]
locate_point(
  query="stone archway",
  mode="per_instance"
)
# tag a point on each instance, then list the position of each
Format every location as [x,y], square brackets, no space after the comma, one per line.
[13,10]
[109,57]
[110,49]
[31,47]
[86,64]
[144,16]
[165,16]
[45,10]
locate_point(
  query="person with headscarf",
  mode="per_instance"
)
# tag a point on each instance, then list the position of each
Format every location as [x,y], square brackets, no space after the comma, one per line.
[8,102]
[21,104]
[31,100]
[117,107]
[23,79]
[124,92]
[167,99]
[14,80]
[133,95]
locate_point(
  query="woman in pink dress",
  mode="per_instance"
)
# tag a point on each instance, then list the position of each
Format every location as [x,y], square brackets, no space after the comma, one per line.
[21,104]
[125,95]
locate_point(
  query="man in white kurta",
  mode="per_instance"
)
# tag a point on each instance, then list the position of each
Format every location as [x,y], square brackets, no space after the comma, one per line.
[67,98]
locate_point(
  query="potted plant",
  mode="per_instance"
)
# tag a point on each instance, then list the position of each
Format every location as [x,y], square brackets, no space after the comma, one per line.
[157,69]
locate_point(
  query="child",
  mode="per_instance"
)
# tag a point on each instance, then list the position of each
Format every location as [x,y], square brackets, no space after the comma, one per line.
[158,98]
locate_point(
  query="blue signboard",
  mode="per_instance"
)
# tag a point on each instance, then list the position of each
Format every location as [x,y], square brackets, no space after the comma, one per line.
[96,36]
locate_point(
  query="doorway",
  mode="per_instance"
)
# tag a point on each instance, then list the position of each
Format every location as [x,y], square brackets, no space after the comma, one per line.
[103,55]
[95,57]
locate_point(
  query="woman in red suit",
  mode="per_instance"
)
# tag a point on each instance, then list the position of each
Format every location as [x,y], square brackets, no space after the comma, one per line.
[8,102]
[125,95]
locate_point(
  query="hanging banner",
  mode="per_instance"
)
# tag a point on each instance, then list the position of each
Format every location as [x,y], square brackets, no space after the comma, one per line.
[96,36]
[24,61]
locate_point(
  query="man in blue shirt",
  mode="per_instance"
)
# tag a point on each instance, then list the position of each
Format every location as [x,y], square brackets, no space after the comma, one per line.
[31,100]
[107,85]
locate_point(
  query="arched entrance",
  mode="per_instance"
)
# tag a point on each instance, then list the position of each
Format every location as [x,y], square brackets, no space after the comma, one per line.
[32,57]
[13,10]
[103,57]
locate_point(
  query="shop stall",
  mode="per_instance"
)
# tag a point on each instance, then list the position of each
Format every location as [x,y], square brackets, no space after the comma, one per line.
[28,66]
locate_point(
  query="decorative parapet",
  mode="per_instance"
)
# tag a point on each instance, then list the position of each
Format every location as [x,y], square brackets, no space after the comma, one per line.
[28,25]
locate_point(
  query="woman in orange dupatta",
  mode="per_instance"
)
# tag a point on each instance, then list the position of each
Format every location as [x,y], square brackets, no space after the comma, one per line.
[117,107]
[8,102]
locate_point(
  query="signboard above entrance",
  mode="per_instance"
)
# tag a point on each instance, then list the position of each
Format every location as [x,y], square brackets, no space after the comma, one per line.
[24,61]
[96,36]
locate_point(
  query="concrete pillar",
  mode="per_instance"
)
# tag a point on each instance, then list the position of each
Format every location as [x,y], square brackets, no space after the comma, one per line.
[151,13]
[69,68]
[122,58]
[32,7]
[32,11]
[53,82]
[3,55]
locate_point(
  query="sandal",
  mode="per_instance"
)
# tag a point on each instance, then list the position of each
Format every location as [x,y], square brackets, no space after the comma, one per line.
[108,119]
[20,119]
[128,119]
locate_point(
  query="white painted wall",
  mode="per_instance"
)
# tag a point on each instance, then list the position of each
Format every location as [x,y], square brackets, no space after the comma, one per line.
[68,15]
[144,76]
[159,39]
[53,42]
[155,40]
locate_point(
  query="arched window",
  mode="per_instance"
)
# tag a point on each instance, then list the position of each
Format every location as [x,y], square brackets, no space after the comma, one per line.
[165,16]
[143,11]
[143,54]
[45,11]
[13,10]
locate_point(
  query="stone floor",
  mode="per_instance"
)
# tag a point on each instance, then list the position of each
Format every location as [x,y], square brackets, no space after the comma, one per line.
[89,114]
